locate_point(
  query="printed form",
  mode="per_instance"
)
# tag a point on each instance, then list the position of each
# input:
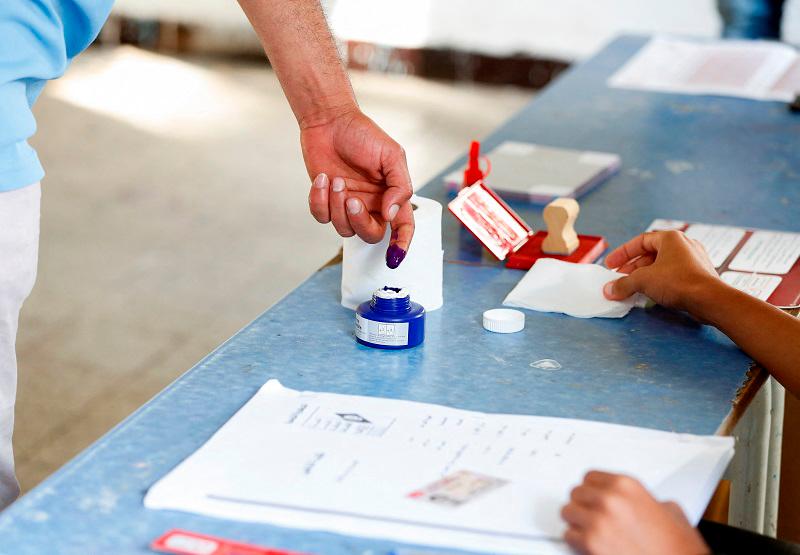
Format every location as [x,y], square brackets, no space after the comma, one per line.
[752,69]
[768,252]
[421,473]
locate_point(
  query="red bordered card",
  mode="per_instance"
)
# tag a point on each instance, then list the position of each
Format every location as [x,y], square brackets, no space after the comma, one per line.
[182,542]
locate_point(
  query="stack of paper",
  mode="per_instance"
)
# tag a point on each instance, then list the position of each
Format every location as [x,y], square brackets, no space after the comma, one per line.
[421,473]
[751,69]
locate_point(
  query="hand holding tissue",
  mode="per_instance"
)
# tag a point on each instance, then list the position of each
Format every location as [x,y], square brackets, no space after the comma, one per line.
[572,289]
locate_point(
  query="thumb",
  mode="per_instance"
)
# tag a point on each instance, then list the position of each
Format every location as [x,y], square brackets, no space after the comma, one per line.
[623,287]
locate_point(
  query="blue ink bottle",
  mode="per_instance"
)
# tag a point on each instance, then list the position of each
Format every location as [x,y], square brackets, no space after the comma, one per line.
[390,320]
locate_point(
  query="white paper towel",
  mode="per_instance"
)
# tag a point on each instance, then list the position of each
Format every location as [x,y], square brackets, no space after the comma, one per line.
[574,289]
[364,266]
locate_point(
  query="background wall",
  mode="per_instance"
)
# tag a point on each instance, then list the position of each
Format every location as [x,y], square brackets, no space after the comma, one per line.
[566,30]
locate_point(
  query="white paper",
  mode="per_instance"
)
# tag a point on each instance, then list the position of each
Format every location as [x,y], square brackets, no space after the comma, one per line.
[789,84]
[768,252]
[750,69]
[364,269]
[347,464]
[718,240]
[553,285]
[758,285]
[661,224]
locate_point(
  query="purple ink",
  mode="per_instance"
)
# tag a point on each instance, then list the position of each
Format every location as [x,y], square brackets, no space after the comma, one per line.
[394,256]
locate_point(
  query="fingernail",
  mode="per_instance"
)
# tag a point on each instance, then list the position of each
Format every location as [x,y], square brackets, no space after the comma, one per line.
[394,256]
[393,210]
[353,206]
[608,289]
[338,184]
[321,181]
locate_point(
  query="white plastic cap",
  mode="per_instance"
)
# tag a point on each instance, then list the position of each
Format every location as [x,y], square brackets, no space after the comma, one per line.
[503,320]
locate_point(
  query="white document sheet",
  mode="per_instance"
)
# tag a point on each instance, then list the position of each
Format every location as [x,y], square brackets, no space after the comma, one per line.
[751,69]
[768,252]
[718,240]
[661,224]
[758,285]
[422,473]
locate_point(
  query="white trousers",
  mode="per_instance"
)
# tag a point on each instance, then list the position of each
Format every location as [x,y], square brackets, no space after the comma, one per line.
[19,248]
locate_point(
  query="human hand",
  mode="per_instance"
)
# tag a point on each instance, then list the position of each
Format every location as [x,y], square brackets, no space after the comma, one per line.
[360,181]
[610,514]
[667,266]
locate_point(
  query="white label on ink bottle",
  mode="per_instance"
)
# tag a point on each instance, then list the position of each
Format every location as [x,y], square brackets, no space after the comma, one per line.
[394,334]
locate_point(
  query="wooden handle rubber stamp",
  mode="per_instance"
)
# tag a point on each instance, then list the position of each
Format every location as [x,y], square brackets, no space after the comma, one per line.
[508,237]
[560,216]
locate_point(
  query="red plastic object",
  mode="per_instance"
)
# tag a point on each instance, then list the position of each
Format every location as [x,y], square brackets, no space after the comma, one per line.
[473,173]
[490,220]
[182,542]
[589,249]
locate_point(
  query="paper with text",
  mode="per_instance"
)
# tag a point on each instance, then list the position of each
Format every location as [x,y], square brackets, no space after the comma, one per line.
[758,285]
[718,240]
[421,473]
[751,69]
[768,252]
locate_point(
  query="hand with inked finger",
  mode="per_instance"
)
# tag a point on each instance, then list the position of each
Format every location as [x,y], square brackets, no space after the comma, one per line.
[360,181]
[667,266]
[611,514]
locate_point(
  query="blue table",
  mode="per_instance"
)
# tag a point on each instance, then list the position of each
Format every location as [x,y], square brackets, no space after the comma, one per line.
[654,368]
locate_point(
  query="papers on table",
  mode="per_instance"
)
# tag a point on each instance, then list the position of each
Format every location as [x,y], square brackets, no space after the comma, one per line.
[758,262]
[422,473]
[751,69]
[757,285]
[768,252]
[718,240]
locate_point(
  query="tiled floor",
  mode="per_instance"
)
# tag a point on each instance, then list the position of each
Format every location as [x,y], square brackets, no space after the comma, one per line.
[173,212]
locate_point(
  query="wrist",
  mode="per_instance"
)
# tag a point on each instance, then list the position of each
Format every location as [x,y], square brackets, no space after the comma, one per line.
[709,298]
[324,109]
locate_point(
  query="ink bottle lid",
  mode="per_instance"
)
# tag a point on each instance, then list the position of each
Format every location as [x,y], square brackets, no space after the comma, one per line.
[390,320]
[503,320]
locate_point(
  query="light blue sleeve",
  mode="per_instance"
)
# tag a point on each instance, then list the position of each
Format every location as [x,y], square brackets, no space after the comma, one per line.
[38,38]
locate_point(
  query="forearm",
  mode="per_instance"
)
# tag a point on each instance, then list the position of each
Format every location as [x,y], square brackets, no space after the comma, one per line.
[303,54]
[766,333]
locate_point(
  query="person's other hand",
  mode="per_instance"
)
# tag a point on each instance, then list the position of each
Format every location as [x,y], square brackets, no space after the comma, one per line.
[360,181]
[610,514]
[667,266]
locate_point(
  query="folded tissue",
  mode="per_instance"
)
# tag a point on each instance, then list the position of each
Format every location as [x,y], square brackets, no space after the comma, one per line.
[552,285]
